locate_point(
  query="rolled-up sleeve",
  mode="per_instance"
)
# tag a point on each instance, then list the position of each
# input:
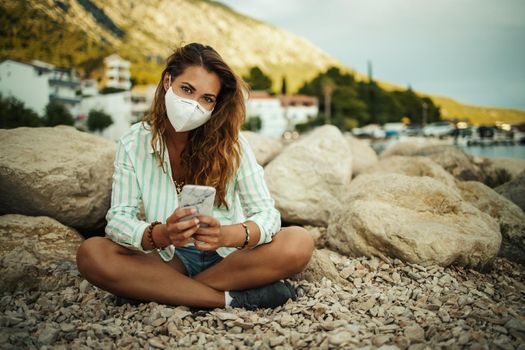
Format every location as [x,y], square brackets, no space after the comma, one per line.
[123,226]
[257,203]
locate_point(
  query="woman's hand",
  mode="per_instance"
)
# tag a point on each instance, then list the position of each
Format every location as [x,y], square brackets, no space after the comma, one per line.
[179,232]
[209,238]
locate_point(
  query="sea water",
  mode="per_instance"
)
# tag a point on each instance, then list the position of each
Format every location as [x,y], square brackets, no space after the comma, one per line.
[509,151]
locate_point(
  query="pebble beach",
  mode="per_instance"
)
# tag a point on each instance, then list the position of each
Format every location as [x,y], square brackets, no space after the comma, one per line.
[385,304]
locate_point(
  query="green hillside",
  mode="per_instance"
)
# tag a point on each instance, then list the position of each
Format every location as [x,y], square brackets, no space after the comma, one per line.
[80,33]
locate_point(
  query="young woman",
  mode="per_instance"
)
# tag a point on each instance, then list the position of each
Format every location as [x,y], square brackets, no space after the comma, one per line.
[191,136]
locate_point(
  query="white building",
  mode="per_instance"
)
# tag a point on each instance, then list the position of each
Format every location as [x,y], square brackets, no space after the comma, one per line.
[116,72]
[261,104]
[37,83]
[117,105]
[141,100]
[89,87]
[299,108]
[280,113]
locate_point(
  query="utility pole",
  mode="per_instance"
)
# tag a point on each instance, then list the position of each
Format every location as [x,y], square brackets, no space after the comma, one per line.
[371,93]
[424,117]
[327,86]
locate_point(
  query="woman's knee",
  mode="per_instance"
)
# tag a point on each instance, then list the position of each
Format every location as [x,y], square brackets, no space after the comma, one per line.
[92,259]
[297,248]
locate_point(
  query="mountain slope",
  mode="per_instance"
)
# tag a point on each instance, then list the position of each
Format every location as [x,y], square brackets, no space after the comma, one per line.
[81,33]
[146,31]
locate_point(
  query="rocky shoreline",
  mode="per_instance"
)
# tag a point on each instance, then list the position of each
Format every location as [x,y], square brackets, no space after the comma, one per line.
[422,247]
[385,304]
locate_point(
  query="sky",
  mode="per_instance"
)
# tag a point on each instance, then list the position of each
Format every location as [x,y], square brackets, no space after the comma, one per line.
[470,50]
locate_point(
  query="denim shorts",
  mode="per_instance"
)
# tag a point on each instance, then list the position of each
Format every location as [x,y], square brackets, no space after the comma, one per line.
[196,260]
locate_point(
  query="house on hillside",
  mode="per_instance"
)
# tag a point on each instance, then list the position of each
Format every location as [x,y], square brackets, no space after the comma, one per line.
[37,83]
[116,73]
[299,108]
[280,113]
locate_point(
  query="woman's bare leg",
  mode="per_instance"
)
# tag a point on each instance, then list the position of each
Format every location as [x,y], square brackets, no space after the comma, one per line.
[147,277]
[286,255]
[136,275]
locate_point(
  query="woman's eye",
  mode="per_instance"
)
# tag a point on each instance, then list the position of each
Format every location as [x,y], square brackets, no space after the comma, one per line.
[186,89]
[208,100]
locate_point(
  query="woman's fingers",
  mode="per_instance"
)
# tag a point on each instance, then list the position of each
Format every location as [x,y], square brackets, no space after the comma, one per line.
[177,236]
[203,227]
[179,213]
[206,238]
[181,225]
[210,220]
[208,230]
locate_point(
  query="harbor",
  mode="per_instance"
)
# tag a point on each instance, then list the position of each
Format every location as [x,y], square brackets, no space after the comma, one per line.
[501,140]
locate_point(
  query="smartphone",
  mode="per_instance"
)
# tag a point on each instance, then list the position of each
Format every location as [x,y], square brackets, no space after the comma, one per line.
[199,197]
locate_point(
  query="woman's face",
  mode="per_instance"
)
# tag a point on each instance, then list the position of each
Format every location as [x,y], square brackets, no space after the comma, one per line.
[198,84]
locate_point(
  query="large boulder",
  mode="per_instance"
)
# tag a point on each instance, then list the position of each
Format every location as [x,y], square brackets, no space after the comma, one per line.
[416,219]
[499,170]
[319,266]
[363,156]
[265,148]
[514,190]
[308,176]
[58,172]
[461,165]
[412,166]
[318,233]
[410,145]
[30,247]
[510,217]
[491,171]
[513,166]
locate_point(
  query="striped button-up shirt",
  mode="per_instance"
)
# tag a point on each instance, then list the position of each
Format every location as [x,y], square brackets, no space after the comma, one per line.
[138,177]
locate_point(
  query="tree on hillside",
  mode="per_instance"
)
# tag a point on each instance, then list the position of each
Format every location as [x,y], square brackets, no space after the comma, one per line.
[283,86]
[57,114]
[98,120]
[343,107]
[364,102]
[257,80]
[111,90]
[381,105]
[413,106]
[253,123]
[347,105]
[13,114]
[327,86]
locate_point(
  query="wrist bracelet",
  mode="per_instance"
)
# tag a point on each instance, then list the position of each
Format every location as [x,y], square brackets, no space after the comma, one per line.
[149,234]
[247,239]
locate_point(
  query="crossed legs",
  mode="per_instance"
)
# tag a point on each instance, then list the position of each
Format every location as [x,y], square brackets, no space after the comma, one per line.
[136,275]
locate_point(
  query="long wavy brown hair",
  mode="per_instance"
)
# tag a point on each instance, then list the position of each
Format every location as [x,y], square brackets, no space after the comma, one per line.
[212,155]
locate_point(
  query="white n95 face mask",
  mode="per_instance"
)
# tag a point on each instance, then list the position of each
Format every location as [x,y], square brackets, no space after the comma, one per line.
[184,114]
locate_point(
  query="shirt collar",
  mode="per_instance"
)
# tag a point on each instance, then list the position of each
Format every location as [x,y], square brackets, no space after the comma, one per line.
[150,149]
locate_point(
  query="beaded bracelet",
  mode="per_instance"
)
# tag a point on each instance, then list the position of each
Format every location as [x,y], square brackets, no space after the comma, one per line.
[149,234]
[247,239]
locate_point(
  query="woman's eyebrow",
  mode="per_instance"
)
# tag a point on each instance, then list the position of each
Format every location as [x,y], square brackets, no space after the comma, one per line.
[189,85]
[192,88]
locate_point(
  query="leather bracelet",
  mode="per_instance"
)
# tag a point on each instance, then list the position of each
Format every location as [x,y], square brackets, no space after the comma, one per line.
[149,234]
[247,239]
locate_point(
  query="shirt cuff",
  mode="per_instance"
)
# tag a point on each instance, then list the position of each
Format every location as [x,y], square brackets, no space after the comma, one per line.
[138,233]
[264,237]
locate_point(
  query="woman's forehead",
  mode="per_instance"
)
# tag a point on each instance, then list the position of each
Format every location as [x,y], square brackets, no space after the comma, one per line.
[202,80]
